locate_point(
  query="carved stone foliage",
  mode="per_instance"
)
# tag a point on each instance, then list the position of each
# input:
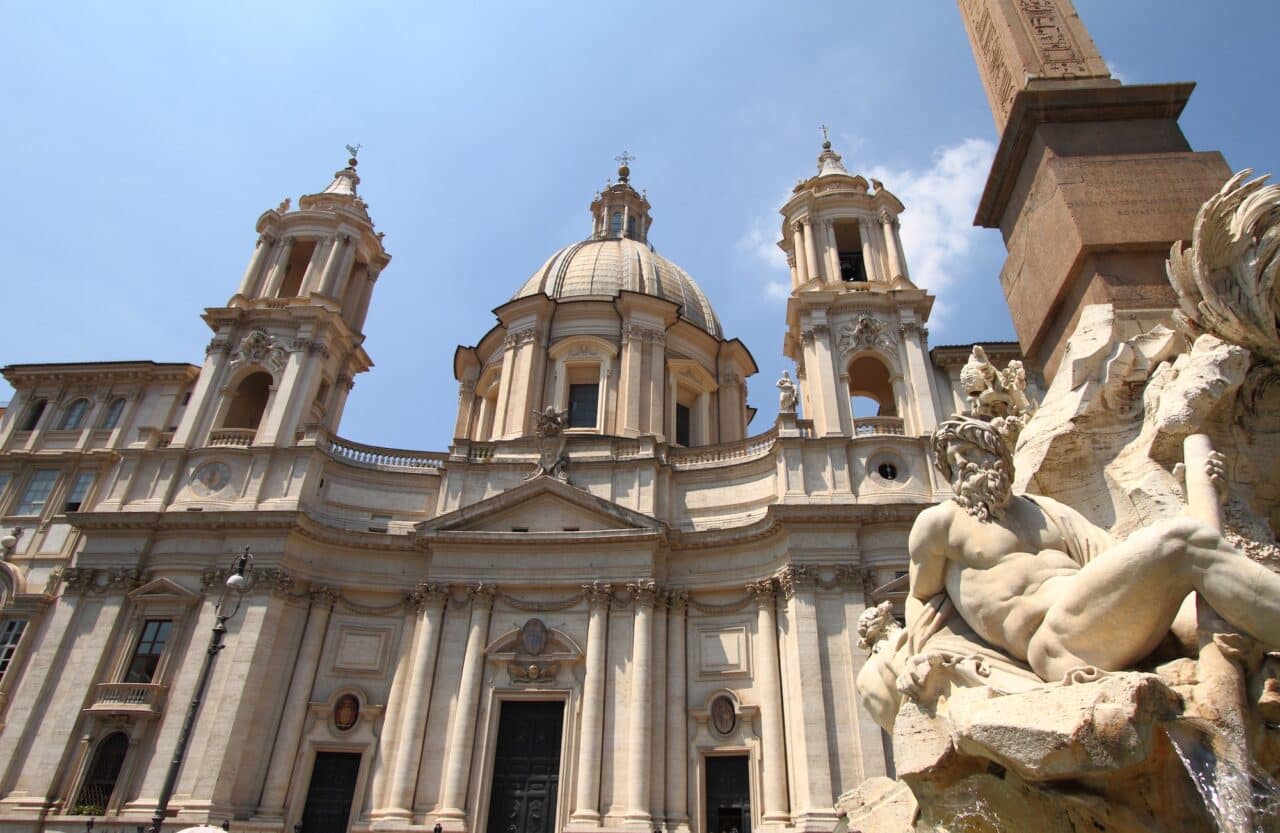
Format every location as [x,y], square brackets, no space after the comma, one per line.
[261,348]
[867,333]
[99,580]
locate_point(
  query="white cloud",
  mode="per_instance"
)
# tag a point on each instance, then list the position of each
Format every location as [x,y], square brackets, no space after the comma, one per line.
[937,227]
[759,242]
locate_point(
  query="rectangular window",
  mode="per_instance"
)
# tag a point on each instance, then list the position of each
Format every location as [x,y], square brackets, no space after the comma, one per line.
[146,656]
[584,401]
[10,636]
[79,490]
[37,493]
[682,425]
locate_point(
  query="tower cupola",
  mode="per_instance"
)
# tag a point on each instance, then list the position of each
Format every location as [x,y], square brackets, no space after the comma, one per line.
[619,211]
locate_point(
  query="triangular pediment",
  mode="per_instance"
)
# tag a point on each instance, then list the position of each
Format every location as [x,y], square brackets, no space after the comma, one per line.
[541,505]
[163,589]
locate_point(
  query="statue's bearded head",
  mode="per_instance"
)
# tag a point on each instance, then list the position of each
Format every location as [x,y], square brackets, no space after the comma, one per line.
[975,459]
[876,623]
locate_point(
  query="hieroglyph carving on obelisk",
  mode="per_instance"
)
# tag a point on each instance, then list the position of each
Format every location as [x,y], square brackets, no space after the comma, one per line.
[1024,44]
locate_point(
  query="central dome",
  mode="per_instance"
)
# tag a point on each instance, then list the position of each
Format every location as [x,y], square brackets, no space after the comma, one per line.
[605,267]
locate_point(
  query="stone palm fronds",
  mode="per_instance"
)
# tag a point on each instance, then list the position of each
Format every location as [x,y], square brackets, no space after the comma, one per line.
[1227,281]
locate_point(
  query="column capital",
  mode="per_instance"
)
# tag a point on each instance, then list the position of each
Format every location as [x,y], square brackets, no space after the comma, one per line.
[762,591]
[678,601]
[427,594]
[794,578]
[324,596]
[598,593]
[645,592]
[482,595]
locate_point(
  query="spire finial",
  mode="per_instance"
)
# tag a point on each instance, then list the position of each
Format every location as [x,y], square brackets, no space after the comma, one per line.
[624,160]
[826,140]
[354,150]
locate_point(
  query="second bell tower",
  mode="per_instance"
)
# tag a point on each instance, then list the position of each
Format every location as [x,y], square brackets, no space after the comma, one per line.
[288,344]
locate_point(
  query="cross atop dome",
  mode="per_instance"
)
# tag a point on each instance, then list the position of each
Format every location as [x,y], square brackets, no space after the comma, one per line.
[624,171]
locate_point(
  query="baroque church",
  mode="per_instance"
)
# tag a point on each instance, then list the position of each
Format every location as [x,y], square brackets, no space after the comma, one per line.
[608,605]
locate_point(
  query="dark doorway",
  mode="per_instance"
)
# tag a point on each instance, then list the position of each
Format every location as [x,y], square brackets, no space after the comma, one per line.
[728,795]
[526,767]
[333,786]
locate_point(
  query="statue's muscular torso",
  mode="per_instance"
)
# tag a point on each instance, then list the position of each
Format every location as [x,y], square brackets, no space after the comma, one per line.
[999,575]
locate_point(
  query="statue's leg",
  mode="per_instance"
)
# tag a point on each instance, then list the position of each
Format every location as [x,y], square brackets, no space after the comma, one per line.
[1116,609]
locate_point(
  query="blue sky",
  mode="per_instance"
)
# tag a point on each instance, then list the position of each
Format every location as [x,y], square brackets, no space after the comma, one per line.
[144,139]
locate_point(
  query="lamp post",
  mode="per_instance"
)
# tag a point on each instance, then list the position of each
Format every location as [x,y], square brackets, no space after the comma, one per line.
[237,582]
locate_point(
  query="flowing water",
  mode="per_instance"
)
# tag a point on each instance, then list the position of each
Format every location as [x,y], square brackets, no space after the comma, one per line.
[1240,796]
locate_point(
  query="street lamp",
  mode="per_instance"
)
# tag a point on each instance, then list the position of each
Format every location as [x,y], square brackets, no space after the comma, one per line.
[237,583]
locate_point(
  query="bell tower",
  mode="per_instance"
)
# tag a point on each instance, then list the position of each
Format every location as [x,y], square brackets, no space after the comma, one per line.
[288,344]
[855,321]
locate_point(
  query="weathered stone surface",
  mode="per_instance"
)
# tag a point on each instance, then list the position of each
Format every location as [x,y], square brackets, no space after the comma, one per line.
[1061,732]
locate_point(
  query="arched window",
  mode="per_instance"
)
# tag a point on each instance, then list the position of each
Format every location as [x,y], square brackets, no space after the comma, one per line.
[100,779]
[870,388]
[631,227]
[249,402]
[32,418]
[111,417]
[615,224]
[73,416]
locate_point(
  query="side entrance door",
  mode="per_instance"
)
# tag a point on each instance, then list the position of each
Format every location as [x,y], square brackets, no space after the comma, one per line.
[526,769]
[329,795]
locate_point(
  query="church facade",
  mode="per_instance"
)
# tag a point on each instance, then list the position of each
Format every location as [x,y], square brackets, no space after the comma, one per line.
[607,606]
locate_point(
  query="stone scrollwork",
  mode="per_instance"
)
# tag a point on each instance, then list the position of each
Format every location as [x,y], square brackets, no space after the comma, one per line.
[598,593]
[794,578]
[426,594]
[867,333]
[261,348]
[549,431]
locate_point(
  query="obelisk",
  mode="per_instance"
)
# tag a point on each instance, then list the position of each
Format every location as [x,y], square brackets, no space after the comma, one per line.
[1092,181]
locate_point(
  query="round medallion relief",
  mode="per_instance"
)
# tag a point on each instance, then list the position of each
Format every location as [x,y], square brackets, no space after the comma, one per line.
[723,715]
[345,712]
[533,637]
[210,479]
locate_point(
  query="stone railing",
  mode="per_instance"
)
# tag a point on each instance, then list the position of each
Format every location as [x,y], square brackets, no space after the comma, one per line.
[234,437]
[137,699]
[724,453]
[382,459]
[867,426]
[805,427]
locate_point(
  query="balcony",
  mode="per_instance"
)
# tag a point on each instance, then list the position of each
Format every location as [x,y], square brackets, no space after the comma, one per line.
[133,699]
[234,437]
[868,426]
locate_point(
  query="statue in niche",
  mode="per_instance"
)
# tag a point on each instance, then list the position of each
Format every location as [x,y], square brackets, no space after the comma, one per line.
[549,431]
[788,397]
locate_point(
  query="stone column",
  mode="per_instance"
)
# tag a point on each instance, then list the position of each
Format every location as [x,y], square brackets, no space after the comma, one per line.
[404,773]
[832,251]
[337,254]
[774,751]
[869,261]
[802,262]
[457,762]
[294,718]
[629,380]
[658,733]
[658,371]
[279,265]
[891,246]
[920,370]
[806,701]
[250,280]
[314,272]
[795,273]
[677,785]
[644,594]
[810,250]
[587,809]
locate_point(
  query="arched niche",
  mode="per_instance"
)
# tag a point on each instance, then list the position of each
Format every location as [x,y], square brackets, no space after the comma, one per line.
[871,386]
